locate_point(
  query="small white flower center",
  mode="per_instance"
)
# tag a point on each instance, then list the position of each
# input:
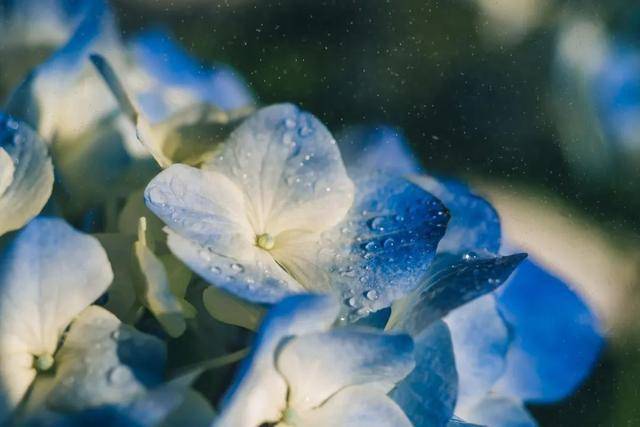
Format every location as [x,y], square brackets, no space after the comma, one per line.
[265,241]
[43,362]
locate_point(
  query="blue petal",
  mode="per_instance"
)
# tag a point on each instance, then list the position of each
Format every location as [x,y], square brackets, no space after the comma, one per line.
[428,394]
[385,245]
[474,225]
[497,411]
[481,340]
[557,338]
[452,282]
[162,58]
[378,148]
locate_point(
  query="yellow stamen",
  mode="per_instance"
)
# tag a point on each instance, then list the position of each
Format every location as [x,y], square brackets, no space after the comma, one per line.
[265,241]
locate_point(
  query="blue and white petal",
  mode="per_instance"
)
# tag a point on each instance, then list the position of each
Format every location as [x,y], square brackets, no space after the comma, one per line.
[379,253]
[103,361]
[258,394]
[48,274]
[288,166]
[26,174]
[557,338]
[379,148]
[53,99]
[481,339]
[498,411]
[356,406]
[428,394]
[176,80]
[474,225]
[317,366]
[453,281]
[208,229]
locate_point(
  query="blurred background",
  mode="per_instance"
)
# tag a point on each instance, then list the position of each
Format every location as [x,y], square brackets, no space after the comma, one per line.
[536,103]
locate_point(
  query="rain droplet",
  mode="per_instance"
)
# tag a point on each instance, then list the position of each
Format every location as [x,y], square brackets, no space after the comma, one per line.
[351,302]
[118,375]
[389,243]
[371,295]
[238,268]
[371,246]
[469,256]
[215,270]
[289,123]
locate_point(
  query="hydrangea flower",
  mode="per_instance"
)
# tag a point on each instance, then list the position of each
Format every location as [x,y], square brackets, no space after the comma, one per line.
[50,275]
[26,174]
[274,213]
[302,373]
[506,343]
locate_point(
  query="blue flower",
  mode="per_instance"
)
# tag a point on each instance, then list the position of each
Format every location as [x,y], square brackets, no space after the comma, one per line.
[275,214]
[302,373]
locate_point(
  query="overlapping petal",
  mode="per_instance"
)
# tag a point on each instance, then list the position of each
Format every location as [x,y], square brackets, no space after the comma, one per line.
[258,393]
[317,366]
[288,166]
[26,177]
[428,394]
[48,275]
[103,362]
[453,281]
[557,338]
[481,339]
[379,253]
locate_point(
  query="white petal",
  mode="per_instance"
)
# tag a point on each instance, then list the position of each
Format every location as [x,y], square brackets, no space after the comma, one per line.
[316,366]
[103,361]
[26,177]
[48,275]
[358,406]
[156,293]
[258,394]
[203,206]
[288,165]
[6,170]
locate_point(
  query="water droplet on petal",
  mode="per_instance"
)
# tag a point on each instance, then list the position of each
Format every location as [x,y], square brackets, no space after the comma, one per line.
[389,243]
[118,375]
[238,268]
[371,295]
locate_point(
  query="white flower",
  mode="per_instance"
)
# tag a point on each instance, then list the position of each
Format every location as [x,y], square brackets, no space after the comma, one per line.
[303,374]
[50,274]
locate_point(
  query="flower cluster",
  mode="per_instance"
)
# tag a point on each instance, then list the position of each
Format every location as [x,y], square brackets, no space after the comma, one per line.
[350,287]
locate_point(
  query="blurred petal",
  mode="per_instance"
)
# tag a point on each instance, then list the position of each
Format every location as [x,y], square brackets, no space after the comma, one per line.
[428,394]
[557,338]
[356,406]
[481,340]
[474,225]
[48,275]
[316,366]
[378,148]
[258,394]
[179,79]
[156,293]
[103,362]
[53,99]
[26,178]
[229,309]
[452,282]
[379,253]
[497,411]
[288,166]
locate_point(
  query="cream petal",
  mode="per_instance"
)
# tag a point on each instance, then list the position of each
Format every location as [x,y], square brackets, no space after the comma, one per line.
[48,274]
[26,177]
[289,167]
